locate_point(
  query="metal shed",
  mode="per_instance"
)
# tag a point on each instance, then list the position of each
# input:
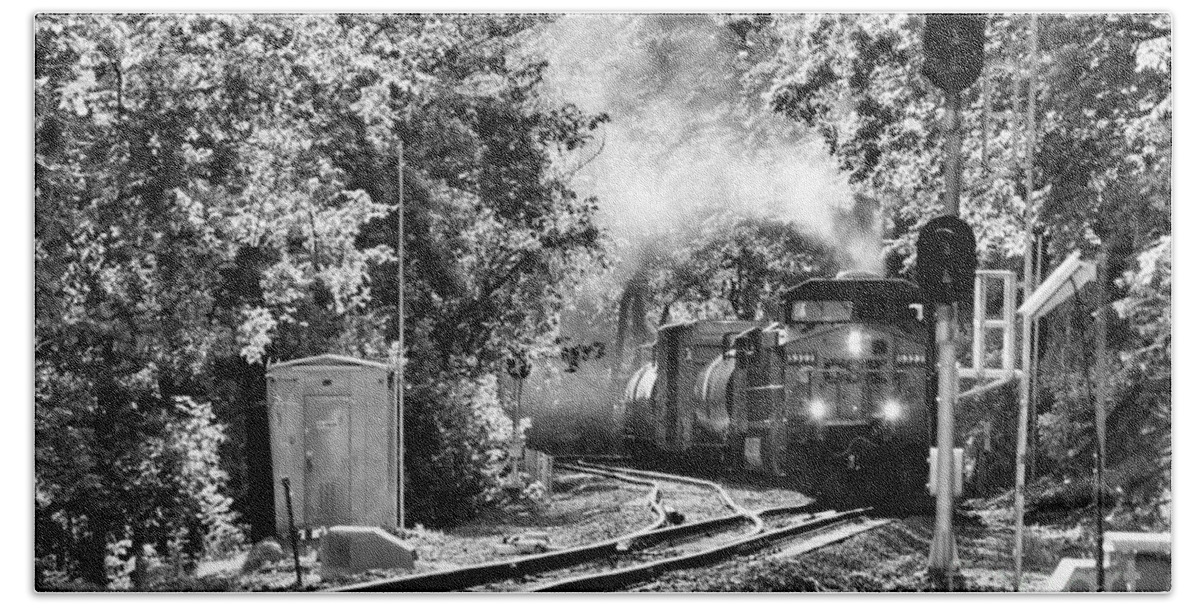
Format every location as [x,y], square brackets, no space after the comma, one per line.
[333,433]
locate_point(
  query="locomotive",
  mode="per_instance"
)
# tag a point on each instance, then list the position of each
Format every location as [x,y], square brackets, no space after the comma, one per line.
[837,395]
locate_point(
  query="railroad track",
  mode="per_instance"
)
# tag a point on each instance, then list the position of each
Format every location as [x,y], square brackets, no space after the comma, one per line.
[788,527]
[457,579]
[636,557]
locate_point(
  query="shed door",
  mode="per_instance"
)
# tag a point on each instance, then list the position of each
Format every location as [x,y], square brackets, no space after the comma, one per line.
[327,460]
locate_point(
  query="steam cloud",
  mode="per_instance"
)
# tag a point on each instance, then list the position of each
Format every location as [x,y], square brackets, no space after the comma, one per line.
[681,152]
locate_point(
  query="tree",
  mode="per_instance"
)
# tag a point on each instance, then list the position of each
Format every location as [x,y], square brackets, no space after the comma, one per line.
[213,192]
[739,271]
[124,284]
[856,80]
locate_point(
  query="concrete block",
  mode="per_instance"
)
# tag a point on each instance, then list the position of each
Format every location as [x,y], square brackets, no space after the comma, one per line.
[524,544]
[1143,572]
[352,549]
[264,552]
[1138,561]
[1073,574]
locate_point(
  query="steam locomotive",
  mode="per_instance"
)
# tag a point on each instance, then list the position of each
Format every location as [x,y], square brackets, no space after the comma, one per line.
[838,395]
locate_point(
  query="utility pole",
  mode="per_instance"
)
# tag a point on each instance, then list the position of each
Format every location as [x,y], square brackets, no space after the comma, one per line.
[953,45]
[1027,353]
[1101,397]
[398,382]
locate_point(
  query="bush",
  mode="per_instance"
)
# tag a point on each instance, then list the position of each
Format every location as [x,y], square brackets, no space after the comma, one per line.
[122,475]
[455,434]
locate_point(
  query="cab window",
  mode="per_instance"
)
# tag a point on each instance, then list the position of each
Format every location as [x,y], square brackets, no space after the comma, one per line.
[806,311]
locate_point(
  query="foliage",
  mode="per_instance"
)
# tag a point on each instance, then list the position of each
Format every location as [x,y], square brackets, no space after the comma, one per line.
[214,191]
[739,270]
[116,492]
[1138,434]
[1103,88]
[462,428]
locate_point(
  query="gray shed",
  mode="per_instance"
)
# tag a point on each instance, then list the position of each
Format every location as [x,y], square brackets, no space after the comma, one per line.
[333,433]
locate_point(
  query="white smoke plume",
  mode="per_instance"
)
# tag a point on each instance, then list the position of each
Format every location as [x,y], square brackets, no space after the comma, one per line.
[682,151]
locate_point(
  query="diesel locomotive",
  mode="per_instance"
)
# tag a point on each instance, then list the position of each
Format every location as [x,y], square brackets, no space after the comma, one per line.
[837,395]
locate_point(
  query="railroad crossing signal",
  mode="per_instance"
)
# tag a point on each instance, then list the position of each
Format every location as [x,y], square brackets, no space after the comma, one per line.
[946,260]
[518,367]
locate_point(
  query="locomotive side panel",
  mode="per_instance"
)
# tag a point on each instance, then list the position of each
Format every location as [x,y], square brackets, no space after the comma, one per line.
[761,418]
[707,341]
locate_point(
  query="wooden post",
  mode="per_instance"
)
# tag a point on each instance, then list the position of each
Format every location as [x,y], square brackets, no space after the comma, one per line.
[1035,365]
[287,497]
[1027,353]
[399,379]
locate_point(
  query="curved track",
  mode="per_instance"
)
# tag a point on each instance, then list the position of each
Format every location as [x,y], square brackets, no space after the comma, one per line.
[632,558]
[482,574]
[622,578]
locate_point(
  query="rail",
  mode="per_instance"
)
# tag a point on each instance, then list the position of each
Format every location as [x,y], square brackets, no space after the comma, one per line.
[627,545]
[481,574]
[625,577]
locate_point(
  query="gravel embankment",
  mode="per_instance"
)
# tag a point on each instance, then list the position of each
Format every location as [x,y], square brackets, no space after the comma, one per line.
[890,558]
[585,509]
[756,498]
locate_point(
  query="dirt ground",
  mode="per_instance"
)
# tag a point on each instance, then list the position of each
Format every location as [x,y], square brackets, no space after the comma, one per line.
[584,509]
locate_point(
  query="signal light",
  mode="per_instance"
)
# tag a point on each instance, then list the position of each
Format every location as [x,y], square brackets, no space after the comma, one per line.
[946,260]
[953,50]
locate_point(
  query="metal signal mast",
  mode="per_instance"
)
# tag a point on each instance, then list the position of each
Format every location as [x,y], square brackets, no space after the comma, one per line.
[953,61]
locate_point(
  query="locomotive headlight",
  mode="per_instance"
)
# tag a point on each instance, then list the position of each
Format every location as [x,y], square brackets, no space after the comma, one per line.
[854,343]
[817,409]
[892,410]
